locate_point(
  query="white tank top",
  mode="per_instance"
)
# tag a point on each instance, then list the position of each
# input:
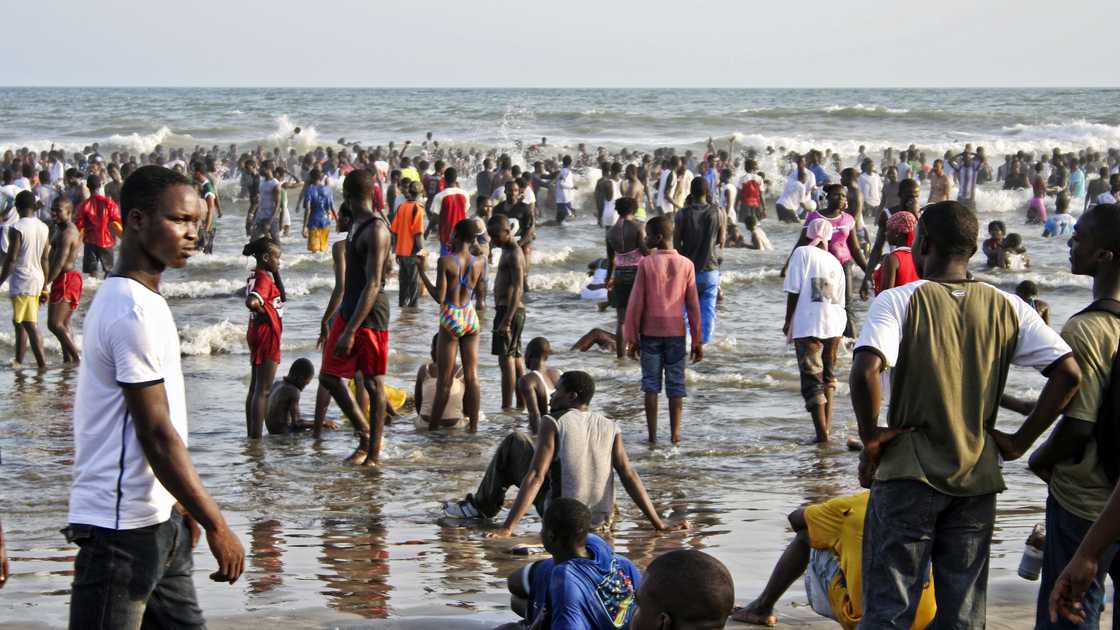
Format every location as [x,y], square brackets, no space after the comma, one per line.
[27,275]
[548,388]
[610,216]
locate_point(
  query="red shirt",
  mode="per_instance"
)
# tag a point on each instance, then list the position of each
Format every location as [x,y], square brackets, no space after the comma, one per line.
[664,289]
[452,205]
[94,216]
[905,274]
[265,290]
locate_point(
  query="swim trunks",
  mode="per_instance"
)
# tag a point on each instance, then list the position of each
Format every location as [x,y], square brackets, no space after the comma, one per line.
[369,355]
[507,345]
[67,287]
[317,239]
[25,308]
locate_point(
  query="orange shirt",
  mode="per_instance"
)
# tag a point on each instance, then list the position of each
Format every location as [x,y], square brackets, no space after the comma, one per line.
[407,223]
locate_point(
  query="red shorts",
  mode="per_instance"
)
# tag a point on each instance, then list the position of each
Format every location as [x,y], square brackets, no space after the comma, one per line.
[264,343]
[67,287]
[370,354]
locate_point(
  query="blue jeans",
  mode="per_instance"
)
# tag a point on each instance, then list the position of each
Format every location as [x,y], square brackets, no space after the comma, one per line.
[663,355]
[126,579]
[909,525]
[1064,532]
[707,285]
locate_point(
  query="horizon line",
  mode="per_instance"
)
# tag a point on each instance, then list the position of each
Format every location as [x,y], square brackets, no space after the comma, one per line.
[578,88]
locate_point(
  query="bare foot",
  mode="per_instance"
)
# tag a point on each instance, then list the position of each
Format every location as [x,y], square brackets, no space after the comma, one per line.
[754,615]
[854,444]
[370,463]
[358,457]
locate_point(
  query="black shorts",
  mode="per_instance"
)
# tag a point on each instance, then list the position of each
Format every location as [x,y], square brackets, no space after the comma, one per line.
[507,346]
[622,286]
[94,256]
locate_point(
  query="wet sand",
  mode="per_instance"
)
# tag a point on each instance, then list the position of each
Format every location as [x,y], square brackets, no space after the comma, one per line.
[1010,607]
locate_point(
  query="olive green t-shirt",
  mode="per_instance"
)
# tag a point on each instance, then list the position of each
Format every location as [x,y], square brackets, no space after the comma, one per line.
[1080,485]
[949,347]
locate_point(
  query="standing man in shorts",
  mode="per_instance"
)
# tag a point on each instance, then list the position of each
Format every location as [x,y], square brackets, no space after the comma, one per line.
[815,320]
[26,258]
[358,340]
[509,314]
[99,219]
[64,281]
[664,287]
[136,503]
[318,210]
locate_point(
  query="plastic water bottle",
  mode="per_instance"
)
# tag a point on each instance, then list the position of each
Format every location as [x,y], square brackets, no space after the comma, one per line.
[1030,565]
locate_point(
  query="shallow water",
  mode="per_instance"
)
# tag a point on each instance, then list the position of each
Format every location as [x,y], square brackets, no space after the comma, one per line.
[325,536]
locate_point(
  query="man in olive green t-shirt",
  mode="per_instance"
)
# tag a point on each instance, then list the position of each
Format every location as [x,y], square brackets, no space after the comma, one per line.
[949,342]
[1069,460]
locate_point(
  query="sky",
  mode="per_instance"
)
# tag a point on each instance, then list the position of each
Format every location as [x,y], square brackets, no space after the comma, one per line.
[572,43]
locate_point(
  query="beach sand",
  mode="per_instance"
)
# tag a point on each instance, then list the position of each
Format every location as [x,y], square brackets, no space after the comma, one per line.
[1010,607]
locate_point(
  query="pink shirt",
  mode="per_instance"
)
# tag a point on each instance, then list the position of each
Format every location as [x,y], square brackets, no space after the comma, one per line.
[664,287]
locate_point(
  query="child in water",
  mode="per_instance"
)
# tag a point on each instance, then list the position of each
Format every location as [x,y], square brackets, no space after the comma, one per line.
[283,401]
[264,297]
[1028,291]
[757,238]
[1013,256]
[993,246]
[424,394]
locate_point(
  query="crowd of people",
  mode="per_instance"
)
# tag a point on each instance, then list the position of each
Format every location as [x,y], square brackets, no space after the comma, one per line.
[942,341]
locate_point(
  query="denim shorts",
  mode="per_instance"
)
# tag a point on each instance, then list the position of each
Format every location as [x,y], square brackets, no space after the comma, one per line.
[129,578]
[663,355]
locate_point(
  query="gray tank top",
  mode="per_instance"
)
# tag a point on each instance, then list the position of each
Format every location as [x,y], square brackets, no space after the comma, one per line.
[581,468]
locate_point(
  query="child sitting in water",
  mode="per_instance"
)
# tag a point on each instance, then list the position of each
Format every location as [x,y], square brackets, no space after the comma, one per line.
[283,401]
[993,247]
[1028,291]
[1013,256]
[538,383]
[425,394]
[1061,224]
[758,239]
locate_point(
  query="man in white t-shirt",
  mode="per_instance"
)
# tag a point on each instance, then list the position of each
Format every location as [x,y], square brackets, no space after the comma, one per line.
[136,499]
[26,258]
[565,191]
[871,187]
[815,320]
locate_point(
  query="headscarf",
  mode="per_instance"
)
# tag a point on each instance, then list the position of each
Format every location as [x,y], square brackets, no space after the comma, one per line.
[819,231]
[902,224]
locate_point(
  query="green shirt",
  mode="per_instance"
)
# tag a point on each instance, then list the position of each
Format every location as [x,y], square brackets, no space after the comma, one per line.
[949,347]
[1080,485]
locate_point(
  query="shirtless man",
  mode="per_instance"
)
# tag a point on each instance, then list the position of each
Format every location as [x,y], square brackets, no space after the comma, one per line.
[358,340]
[509,314]
[537,385]
[65,282]
[596,337]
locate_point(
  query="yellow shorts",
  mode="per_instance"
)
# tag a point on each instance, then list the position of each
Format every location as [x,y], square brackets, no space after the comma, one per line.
[25,308]
[317,239]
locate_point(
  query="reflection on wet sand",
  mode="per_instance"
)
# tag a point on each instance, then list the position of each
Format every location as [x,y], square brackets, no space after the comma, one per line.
[354,562]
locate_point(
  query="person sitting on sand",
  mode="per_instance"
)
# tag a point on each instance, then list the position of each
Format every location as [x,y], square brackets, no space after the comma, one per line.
[583,585]
[827,548]
[425,395]
[576,455]
[283,401]
[684,589]
[538,383]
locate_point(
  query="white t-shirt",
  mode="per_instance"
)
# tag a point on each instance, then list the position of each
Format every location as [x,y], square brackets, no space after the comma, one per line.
[817,277]
[267,208]
[793,194]
[28,275]
[565,186]
[1106,197]
[871,186]
[129,340]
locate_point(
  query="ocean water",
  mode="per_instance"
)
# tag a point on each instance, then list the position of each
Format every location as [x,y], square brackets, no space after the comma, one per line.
[324,536]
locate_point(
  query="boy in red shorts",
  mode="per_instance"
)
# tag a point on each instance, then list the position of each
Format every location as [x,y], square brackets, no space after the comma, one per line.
[358,340]
[64,281]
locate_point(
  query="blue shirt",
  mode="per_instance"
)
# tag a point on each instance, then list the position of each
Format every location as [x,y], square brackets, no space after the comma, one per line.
[1077,183]
[585,593]
[822,177]
[320,200]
